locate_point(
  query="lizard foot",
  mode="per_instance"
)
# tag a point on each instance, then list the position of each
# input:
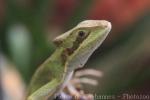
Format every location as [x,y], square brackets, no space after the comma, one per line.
[74,89]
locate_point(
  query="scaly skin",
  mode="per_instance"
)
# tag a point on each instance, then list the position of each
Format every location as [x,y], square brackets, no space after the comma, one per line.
[73,50]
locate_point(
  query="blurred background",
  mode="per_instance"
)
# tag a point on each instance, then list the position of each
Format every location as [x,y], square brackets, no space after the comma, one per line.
[27,28]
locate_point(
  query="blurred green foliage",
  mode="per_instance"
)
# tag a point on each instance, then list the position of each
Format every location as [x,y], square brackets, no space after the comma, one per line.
[29,48]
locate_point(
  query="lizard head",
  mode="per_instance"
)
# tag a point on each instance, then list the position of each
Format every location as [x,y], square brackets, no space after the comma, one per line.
[80,42]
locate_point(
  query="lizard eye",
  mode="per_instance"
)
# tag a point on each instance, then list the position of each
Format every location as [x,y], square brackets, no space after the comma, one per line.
[82,34]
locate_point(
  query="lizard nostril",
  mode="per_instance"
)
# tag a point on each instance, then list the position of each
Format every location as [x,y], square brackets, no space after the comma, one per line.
[105,24]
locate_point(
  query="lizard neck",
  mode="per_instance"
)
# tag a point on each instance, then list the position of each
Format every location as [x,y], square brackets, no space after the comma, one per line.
[60,57]
[64,73]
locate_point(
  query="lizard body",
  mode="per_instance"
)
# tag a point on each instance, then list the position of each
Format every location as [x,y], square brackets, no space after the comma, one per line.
[73,50]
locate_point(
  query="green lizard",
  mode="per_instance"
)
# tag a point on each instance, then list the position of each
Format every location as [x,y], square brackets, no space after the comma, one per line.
[73,50]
